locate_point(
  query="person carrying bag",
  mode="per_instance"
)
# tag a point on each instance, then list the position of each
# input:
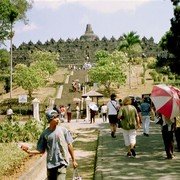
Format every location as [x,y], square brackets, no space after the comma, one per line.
[113,107]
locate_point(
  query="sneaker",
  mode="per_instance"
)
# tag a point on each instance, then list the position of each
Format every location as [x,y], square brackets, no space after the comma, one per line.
[147,135]
[133,152]
[169,157]
[113,135]
[128,154]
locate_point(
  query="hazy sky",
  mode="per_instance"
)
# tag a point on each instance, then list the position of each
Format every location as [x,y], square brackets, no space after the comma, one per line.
[68,19]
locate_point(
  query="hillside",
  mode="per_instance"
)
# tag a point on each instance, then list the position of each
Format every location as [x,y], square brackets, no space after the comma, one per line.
[49,92]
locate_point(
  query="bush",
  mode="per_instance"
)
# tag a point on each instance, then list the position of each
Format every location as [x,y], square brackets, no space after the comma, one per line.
[159,77]
[154,75]
[171,77]
[11,131]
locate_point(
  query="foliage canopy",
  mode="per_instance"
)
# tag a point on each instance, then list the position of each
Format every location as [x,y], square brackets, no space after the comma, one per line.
[35,76]
[170,43]
[109,69]
[11,11]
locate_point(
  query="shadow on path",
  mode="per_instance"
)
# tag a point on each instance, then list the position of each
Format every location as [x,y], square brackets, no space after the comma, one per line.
[150,162]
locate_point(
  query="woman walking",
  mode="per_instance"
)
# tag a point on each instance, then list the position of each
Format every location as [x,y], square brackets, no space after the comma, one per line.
[77,112]
[130,122]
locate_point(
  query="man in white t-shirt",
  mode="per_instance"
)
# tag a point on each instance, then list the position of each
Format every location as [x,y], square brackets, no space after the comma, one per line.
[113,107]
[9,113]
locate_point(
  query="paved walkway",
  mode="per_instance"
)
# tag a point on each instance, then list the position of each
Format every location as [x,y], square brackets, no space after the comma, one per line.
[112,162]
[149,163]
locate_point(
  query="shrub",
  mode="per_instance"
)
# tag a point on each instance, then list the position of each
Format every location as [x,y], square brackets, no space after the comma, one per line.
[154,75]
[159,77]
[171,77]
[11,131]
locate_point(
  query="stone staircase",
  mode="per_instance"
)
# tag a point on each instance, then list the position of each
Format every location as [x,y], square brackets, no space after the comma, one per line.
[67,94]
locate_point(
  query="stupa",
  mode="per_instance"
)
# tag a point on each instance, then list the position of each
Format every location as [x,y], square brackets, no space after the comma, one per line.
[89,34]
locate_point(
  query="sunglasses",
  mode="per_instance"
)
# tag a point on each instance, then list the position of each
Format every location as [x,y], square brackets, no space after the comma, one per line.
[55,116]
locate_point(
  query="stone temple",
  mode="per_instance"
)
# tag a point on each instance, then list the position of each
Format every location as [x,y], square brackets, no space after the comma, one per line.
[79,50]
[89,34]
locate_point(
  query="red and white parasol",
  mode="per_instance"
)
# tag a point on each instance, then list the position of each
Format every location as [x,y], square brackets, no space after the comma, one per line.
[166,100]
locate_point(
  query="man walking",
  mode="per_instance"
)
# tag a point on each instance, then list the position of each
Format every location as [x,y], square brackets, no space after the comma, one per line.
[113,107]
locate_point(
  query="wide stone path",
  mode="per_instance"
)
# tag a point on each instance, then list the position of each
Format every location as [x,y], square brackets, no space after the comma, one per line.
[150,162]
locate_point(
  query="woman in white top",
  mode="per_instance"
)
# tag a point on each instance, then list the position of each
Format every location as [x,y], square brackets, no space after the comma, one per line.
[77,111]
[104,112]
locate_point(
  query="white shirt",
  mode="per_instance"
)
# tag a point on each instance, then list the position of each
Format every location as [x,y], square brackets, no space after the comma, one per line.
[77,109]
[112,110]
[104,109]
[9,111]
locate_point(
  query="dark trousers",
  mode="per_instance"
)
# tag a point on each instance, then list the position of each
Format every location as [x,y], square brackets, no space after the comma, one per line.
[104,116]
[177,135]
[168,141]
[69,114]
[57,173]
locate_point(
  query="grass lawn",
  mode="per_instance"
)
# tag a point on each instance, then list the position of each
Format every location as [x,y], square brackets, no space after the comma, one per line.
[12,158]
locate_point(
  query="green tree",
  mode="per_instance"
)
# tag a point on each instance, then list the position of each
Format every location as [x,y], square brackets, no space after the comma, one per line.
[10,12]
[4,69]
[101,54]
[170,43]
[29,78]
[45,61]
[130,45]
[109,70]
[4,59]
[35,76]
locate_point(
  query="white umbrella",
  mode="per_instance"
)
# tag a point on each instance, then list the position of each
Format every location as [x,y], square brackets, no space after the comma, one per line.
[93,106]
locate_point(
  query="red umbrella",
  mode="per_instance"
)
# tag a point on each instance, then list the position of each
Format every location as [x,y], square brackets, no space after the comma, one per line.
[166,100]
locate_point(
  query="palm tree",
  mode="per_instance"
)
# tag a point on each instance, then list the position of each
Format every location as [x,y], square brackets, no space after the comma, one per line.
[130,45]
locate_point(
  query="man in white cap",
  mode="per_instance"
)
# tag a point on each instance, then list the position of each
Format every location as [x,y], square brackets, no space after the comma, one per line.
[57,141]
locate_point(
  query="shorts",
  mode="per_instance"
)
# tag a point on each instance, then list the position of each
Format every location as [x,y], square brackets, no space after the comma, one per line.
[129,136]
[112,119]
